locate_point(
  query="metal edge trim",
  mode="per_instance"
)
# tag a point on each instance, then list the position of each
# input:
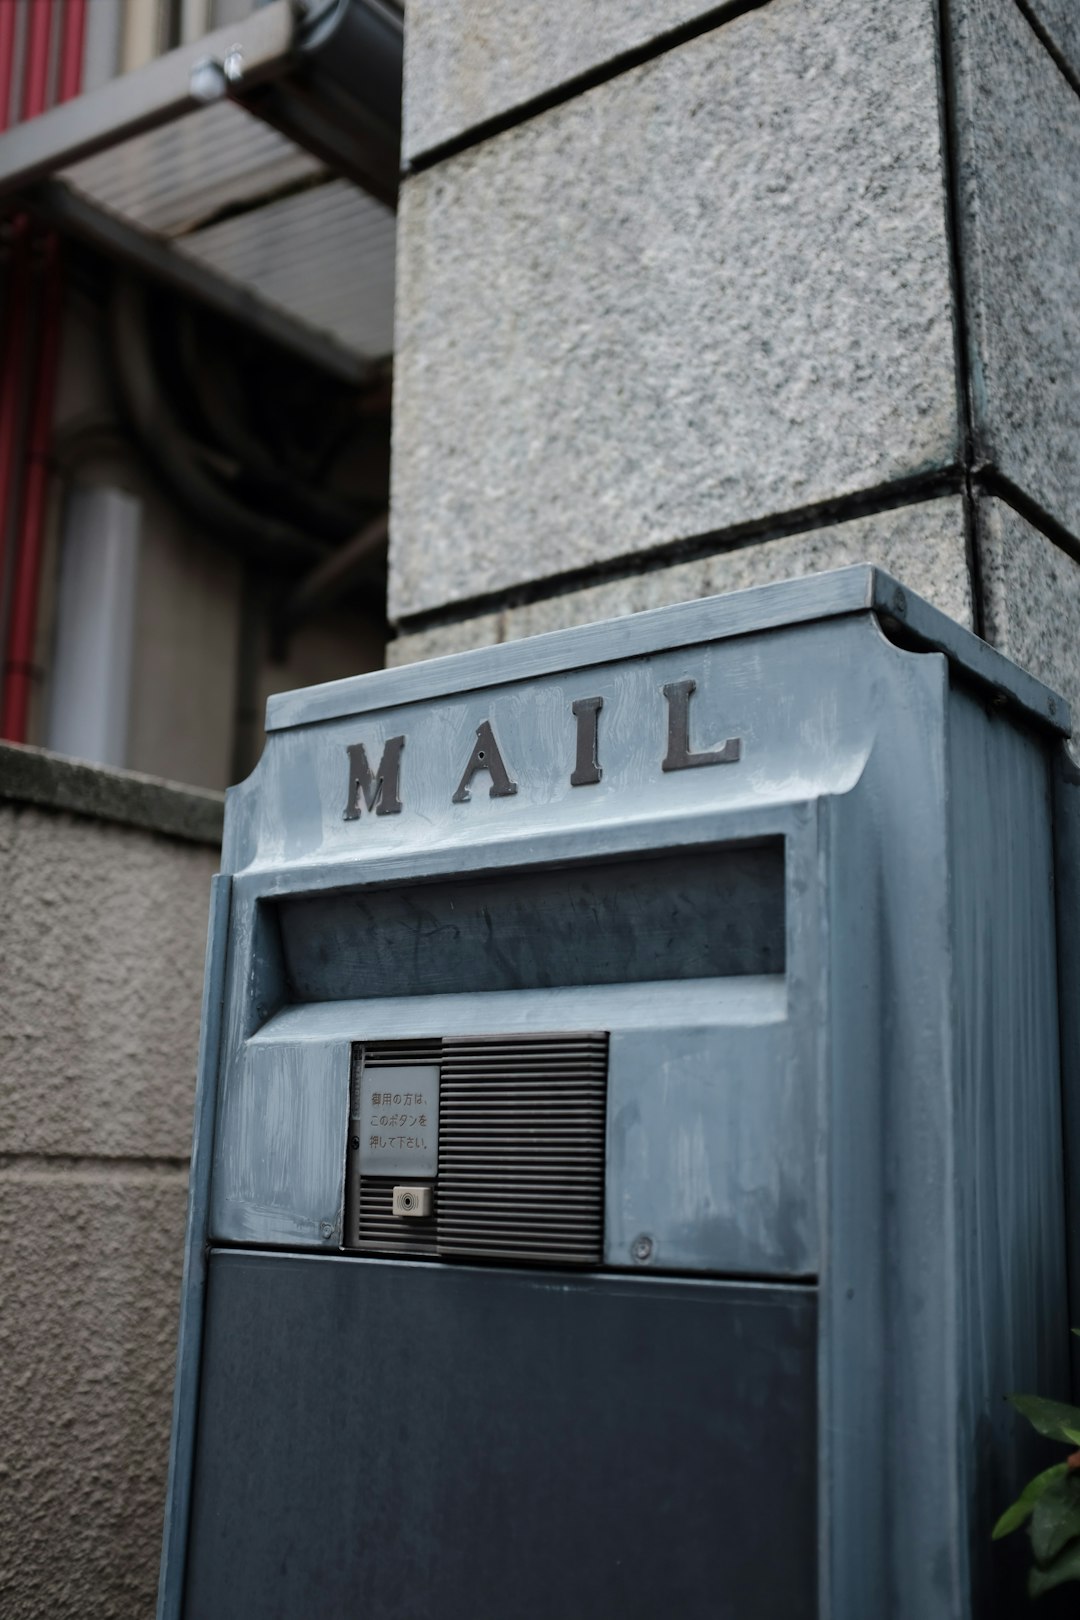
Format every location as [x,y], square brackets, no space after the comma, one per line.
[860,588]
[193,1287]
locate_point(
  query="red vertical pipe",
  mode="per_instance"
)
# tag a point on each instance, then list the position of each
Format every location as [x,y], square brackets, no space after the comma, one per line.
[12,358]
[23,620]
[11,349]
[8,15]
[18,669]
[38,39]
[71,50]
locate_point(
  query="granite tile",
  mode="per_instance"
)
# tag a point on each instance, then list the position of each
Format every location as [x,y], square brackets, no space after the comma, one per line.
[923,545]
[473,60]
[1060,21]
[1030,598]
[1019,147]
[711,290]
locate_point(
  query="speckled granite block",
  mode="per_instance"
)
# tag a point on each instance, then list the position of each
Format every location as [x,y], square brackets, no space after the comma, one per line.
[922,544]
[713,289]
[471,60]
[1031,598]
[1020,180]
[1061,21]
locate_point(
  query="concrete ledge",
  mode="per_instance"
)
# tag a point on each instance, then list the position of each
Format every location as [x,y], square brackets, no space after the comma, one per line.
[34,776]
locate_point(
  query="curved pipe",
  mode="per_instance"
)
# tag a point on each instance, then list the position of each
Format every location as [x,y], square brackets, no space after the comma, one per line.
[326,583]
[307,506]
[176,459]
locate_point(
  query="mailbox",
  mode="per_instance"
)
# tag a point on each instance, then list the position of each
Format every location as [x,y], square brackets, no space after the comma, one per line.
[629,1159]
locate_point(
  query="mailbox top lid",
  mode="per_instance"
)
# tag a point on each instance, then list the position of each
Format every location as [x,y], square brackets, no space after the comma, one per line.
[861,588]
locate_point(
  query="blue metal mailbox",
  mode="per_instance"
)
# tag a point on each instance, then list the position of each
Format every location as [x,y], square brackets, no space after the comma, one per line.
[630,1147]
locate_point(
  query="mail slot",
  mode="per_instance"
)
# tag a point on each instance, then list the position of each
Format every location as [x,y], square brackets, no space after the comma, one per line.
[629,1170]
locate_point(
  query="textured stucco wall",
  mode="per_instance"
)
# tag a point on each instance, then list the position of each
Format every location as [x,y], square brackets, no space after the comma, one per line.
[695,298]
[103,926]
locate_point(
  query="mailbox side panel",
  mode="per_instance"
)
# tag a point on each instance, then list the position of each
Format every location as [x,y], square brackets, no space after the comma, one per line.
[888,1406]
[193,1291]
[1067,858]
[1008,1174]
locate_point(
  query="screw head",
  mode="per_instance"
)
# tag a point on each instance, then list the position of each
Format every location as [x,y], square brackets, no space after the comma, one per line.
[207,81]
[326,1228]
[642,1248]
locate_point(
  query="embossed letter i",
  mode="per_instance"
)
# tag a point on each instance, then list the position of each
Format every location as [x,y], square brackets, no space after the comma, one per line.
[587,769]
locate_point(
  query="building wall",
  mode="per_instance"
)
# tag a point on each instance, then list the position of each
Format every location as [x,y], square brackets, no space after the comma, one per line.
[202,660]
[103,917]
[690,299]
[206,647]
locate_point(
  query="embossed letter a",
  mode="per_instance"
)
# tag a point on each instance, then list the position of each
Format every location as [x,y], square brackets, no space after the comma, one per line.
[382,792]
[485,757]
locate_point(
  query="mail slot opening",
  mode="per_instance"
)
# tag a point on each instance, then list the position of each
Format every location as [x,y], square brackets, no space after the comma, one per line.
[711,912]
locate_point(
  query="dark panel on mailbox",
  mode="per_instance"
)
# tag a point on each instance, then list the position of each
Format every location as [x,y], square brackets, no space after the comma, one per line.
[696,915]
[383,1439]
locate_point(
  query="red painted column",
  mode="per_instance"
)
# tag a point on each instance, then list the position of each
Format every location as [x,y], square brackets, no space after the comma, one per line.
[18,668]
[13,331]
[7,63]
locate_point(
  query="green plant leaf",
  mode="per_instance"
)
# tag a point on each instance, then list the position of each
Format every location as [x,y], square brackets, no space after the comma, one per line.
[1064,1568]
[1022,1508]
[1052,1418]
[1056,1518]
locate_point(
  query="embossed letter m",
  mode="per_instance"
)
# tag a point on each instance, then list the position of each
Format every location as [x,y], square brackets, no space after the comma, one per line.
[381,792]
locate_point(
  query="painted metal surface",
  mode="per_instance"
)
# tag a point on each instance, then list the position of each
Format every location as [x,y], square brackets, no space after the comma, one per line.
[279,1152]
[860,589]
[800,737]
[461,1442]
[875,1120]
[712,1156]
[1007,1165]
[142,100]
[1066,787]
[193,1287]
[944,1285]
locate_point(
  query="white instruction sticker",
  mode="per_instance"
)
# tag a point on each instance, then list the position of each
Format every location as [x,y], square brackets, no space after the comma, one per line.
[399,1120]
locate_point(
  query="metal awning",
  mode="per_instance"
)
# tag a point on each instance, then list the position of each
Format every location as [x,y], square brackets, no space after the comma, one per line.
[255,169]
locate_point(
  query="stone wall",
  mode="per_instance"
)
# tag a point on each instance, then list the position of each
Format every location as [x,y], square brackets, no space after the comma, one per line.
[104,888]
[692,298]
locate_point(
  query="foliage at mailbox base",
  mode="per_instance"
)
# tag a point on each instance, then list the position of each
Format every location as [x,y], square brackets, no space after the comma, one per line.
[1050,1503]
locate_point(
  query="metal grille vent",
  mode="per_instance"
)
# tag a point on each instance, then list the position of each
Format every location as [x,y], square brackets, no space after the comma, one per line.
[521,1152]
[521,1148]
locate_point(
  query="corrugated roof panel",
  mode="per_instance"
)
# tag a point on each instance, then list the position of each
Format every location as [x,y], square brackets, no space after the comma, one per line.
[325,254]
[170,179]
[254,207]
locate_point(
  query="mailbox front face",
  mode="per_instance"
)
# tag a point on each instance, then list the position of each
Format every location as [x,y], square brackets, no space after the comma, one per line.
[384,1439]
[525,1294]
